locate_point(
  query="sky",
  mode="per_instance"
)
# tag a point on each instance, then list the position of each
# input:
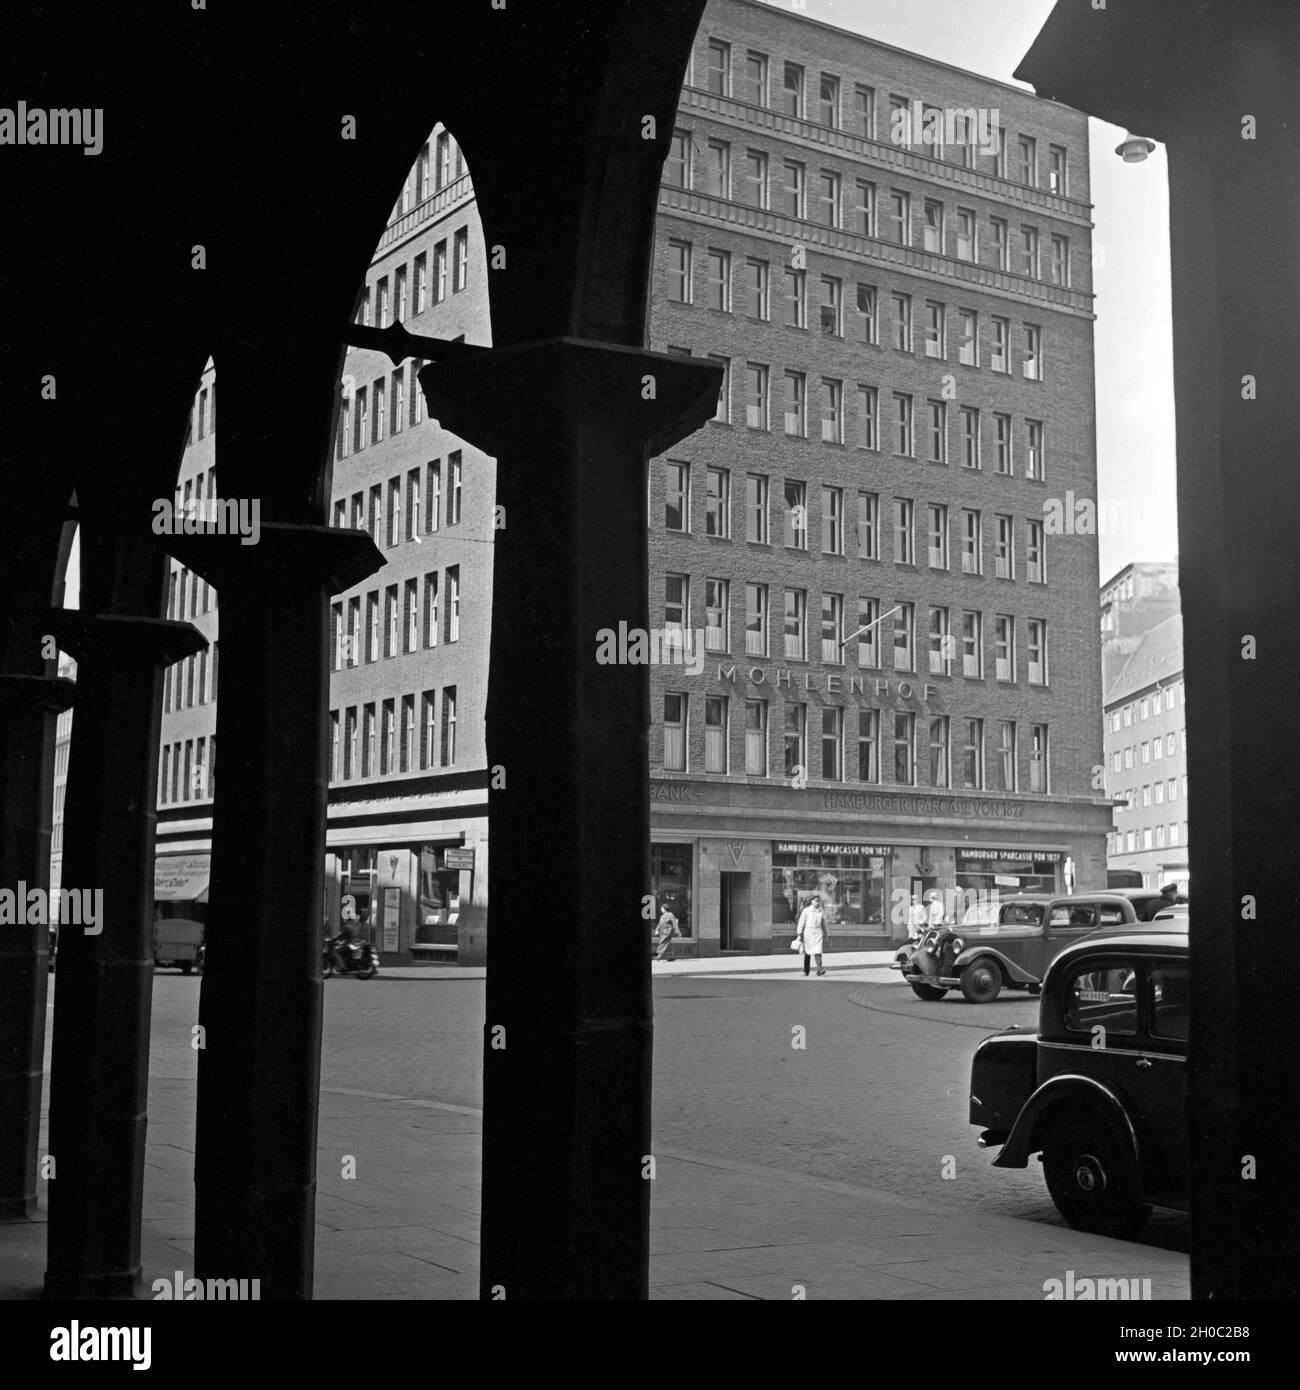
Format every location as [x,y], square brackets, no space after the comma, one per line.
[1134,350]
[1134,347]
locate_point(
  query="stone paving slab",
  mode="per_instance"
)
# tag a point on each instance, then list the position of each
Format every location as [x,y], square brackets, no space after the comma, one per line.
[407,1226]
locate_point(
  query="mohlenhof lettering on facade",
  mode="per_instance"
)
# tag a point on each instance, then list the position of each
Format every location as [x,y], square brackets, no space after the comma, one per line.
[783,677]
[24,125]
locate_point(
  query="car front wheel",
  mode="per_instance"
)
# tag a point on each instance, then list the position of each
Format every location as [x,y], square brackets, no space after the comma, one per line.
[927,992]
[1091,1180]
[981,981]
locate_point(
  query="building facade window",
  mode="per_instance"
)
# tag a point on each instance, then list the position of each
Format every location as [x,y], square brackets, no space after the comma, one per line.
[756,515]
[715,733]
[756,738]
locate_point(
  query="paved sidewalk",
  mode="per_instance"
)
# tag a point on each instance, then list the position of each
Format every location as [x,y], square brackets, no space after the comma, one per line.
[735,963]
[406,1226]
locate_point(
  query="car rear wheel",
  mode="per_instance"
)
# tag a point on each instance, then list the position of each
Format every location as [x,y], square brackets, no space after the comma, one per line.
[1092,1181]
[927,992]
[981,981]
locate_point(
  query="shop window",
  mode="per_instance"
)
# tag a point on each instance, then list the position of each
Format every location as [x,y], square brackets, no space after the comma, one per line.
[851,885]
[670,883]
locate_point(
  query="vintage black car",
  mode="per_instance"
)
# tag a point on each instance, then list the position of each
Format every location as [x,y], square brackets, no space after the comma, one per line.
[1148,901]
[1013,949]
[1101,1091]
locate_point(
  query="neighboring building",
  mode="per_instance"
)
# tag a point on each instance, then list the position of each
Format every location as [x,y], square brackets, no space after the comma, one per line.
[408,830]
[901,687]
[1146,759]
[899,684]
[62,741]
[187,756]
[1133,601]
[408,777]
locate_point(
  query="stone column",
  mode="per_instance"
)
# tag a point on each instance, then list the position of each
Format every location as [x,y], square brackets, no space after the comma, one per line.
[260,1000]
[99,1066]
[29,708]
[567,1034]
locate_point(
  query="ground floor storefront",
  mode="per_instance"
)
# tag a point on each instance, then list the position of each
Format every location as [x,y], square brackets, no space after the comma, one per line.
[408,874]
[737,863]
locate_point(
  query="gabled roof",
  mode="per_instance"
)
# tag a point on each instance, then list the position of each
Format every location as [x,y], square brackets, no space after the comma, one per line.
[1158,658]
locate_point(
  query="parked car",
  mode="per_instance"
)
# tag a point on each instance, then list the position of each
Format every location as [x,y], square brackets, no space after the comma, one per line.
[177,941]
[1101,1090]
[1147,901]
[1014,950]
[1176,913]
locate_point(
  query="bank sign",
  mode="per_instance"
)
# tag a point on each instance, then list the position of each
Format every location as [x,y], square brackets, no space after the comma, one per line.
[825,847]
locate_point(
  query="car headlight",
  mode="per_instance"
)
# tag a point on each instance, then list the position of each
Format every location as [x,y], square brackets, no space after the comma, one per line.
[958,945]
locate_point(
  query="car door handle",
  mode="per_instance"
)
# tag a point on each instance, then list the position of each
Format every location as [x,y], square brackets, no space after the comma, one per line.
[1144,1061]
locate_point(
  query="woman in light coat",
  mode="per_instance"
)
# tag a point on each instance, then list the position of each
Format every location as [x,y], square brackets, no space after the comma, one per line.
[812,934]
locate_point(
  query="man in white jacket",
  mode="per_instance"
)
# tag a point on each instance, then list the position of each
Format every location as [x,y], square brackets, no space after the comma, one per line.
[812,934]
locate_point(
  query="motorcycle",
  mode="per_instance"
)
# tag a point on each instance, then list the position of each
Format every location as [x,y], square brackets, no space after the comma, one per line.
[349,957]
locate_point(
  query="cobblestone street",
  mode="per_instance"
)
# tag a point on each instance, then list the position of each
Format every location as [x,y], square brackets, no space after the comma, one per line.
[876,1097]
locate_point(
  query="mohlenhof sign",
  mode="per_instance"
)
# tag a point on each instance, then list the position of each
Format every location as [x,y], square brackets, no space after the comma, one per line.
[781,678]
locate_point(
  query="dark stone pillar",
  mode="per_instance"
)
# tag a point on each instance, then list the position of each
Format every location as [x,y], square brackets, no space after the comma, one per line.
[260,1002]
[100,1059]
[567,1035]
[29,707]
[1238,505]
[1215,81]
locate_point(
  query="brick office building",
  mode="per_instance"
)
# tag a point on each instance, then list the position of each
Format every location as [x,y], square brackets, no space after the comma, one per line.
[901,684]
[908,333]
[407,827]
[407,832]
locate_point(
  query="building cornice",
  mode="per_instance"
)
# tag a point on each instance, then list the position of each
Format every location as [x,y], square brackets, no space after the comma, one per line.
[878,153]
[786,231]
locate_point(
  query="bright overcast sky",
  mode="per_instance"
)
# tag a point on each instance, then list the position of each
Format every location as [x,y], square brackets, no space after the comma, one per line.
[1135,392]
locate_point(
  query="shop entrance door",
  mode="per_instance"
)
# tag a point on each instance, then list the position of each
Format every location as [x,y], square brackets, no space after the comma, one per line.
[734,913]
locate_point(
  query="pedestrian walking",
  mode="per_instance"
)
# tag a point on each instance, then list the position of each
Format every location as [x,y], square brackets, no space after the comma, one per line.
[917,918]
[812,934]
[664,934]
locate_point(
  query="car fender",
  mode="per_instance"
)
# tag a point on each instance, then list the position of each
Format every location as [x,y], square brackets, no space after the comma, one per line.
[1026,1135]
[1017,974]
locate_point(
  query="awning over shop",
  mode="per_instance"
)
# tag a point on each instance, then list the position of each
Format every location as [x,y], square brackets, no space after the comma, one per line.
[181,878]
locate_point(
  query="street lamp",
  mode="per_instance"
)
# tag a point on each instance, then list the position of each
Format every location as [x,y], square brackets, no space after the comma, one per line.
[1133,149]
